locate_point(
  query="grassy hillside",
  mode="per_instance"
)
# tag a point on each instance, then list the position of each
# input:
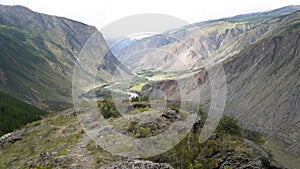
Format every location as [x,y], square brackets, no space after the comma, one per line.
[15,114]
[58,141]
[37,54]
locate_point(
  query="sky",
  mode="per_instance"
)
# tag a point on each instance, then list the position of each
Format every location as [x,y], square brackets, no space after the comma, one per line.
[101,13]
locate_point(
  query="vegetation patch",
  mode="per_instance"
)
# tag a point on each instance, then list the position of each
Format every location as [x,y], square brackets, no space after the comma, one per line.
[137,87]
[15,114]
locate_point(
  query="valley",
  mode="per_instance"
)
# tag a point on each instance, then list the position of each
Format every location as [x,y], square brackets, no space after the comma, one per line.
[83,101]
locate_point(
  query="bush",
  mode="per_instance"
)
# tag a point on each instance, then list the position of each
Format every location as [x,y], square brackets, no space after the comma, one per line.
[140,99]
[228,125]
[144,132]
[108,109]
[254,136]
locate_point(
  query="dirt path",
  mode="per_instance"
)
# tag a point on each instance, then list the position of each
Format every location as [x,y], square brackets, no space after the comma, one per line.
[80,155]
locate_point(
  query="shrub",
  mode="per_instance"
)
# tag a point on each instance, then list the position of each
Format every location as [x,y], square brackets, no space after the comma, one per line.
[140,99]
[254,136]
[144,132]
[107,108]
[228,125]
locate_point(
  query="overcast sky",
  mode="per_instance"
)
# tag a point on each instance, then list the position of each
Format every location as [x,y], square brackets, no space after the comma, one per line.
[100,13]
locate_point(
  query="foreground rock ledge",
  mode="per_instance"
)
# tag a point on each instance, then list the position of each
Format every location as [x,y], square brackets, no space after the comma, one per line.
[138,164]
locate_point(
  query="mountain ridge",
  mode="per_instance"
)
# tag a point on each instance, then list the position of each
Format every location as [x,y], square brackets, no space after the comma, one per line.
[181,34]
[38,54]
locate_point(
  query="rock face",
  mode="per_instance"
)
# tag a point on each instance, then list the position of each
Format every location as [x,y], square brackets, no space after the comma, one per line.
[46,159]
[242,162]
[170,114]
[263,87]
[230,159]
[170,87]
[10,138]
[138,164]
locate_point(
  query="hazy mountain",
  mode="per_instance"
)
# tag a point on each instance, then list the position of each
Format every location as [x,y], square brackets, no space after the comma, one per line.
[38,53]
[117,46]
[224,38]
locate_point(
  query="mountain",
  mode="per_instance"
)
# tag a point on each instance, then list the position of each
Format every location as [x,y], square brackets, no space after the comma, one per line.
[38,53]
[189,46]
[263,85]
[284,10]
[260,55]
[262,82]
[116,46]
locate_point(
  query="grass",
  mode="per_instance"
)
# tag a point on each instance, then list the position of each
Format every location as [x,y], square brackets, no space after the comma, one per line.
[139,110]
[101,156]
[57,133]
[161,75]
[137,87]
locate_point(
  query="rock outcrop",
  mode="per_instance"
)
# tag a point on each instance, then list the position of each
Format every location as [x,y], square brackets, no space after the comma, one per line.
[138,164]
[10,138]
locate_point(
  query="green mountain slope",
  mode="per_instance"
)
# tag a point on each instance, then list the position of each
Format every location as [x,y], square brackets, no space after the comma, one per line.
[15,114]
[38,53]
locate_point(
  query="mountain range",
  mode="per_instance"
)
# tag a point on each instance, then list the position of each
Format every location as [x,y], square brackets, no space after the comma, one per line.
[259,53]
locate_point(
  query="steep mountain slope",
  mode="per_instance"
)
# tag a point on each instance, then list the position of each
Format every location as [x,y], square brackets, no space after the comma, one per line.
[262,85]
[15,114]
[224,38]
[38,53]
